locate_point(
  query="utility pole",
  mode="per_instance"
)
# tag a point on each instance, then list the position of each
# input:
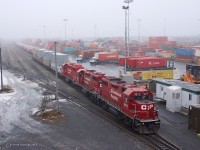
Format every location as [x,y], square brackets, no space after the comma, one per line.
[138,34]
[164,26]
[128,38]
[65,20]
[199,39]
[1,71]
[44,32]
[56,76]
[95,32]
[125,8]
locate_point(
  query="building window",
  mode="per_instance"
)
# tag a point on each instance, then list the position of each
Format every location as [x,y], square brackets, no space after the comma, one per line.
[161,88]
[190,97]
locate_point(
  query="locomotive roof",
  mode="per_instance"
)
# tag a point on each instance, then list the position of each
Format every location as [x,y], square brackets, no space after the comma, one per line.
[145,101]
[129,91]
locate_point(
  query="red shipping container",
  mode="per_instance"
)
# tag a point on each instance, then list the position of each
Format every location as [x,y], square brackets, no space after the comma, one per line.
[146,62]
[122,59]
[88,53]
[158,38]
[137,53]
[108,56]
[77,52]
[170,43]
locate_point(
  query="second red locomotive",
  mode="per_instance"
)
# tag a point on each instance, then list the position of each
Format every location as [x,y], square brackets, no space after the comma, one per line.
[134,104]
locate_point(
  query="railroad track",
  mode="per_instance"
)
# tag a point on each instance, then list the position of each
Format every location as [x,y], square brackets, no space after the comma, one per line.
[154,141]
[160,143]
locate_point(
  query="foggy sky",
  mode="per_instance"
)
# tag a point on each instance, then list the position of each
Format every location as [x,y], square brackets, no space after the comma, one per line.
[26,18]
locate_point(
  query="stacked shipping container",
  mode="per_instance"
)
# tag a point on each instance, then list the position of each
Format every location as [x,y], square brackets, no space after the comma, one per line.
[184,53]
[144,62]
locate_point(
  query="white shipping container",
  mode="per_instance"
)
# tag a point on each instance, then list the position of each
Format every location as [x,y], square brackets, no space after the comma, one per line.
[48,55]
[41,52]
[47,63]
[61,58]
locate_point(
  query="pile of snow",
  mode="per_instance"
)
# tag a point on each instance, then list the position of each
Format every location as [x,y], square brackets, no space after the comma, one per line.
[15,108]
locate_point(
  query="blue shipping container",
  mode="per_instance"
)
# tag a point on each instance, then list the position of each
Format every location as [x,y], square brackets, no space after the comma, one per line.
[184,51]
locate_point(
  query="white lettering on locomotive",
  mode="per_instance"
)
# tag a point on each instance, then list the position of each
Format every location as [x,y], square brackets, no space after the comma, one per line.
[125,105]
[143,107]
[116,93]
[69,71]
[114,97]
[146,107]
[86,80]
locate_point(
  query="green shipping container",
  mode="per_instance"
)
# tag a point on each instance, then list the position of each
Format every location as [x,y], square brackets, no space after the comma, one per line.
[69,49]
[165,47]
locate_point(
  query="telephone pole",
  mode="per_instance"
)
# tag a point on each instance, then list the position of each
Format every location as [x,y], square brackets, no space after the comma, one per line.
[1,71]
[56,69]
[65,20]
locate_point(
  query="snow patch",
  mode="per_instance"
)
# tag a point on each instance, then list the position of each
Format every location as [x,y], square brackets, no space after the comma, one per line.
[35,110]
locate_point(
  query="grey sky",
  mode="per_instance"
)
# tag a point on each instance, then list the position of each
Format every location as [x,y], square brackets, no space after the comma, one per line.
[26,18]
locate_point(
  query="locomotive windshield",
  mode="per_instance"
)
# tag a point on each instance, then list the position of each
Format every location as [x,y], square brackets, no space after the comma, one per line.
[140,96]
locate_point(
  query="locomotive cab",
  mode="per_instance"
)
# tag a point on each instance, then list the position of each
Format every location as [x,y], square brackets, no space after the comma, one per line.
[141,109]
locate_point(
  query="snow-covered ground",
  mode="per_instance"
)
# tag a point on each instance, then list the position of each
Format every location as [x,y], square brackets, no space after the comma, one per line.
[16,107]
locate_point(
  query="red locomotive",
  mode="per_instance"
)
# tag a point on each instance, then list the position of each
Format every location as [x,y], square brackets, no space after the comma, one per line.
[133,104]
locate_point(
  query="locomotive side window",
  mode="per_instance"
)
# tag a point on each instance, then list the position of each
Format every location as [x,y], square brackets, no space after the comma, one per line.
[131,99]
[151,98]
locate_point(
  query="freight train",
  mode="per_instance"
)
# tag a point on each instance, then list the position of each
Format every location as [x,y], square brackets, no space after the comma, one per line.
[133,104]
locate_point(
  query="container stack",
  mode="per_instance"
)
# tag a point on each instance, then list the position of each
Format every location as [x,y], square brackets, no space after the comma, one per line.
[184,54]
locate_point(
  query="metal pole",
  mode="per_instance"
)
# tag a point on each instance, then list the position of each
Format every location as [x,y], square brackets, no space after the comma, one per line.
[44,32]
[138,34]
[125,8]
[1,72]
[56,77]
[65,20]
[128,33]
[95,32]
[128,39]
[199,39]
[164,26]
[125,69]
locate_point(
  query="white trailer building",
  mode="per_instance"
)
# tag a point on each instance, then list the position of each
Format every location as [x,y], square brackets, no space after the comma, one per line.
[177,93]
